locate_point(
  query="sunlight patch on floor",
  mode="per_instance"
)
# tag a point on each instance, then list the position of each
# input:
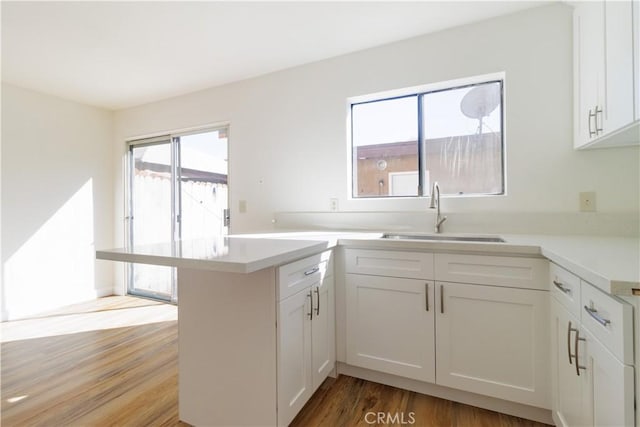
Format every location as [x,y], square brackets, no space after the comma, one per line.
[72,323]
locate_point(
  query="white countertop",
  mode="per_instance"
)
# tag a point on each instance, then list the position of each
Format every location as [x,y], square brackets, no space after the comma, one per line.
[611,264]
[230,254]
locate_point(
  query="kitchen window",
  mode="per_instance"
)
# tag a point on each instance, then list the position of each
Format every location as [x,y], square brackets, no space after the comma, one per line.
[454,135]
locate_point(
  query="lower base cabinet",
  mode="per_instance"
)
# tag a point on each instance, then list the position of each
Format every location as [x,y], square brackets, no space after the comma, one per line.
[493,341]
[306,345]
[591,386]
[569,407]
[390,325]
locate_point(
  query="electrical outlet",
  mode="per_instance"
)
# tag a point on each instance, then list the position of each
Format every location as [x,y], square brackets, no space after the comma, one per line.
[588,201]
[333,205]
[242,206]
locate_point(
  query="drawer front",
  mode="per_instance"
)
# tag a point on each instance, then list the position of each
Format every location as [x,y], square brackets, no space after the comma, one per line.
[528,273]
[565,287]
[610,320]
[299,274]
[411,265]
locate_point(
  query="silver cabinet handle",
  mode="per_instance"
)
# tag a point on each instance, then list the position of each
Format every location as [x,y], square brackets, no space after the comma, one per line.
[569,330]
[426,292]
[442,299]
[313,270]
[598,110]
[310,313]
[578,367]
[560,286]
[317,301]
[594,313]
[591,132]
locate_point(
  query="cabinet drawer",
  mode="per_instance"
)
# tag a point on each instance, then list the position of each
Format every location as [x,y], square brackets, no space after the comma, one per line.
[302,273]
[609,320]
[411,265]
[565,287]
[514,272]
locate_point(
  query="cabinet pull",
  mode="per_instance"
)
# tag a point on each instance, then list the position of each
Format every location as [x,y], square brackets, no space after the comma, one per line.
[317,301]
[594,313]
[591,132]
[578,367]
[560,286]
[569,330]
[313,270]
[442,299]
[598,110]
[426,292]
[310,313]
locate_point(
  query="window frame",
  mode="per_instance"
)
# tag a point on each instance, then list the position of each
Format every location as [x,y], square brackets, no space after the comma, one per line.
[419,92]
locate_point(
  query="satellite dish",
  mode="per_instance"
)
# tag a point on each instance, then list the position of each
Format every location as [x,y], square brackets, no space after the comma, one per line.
[480,101]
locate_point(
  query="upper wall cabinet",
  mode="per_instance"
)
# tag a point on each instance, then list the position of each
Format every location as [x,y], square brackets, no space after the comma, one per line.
[606,68]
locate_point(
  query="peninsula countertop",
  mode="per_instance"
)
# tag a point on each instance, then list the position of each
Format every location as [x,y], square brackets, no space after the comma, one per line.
[228,254]
[610,263]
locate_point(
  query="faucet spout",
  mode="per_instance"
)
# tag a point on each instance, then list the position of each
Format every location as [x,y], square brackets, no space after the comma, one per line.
[435,204]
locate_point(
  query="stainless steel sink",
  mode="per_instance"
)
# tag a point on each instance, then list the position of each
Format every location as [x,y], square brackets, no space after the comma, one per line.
[439,237]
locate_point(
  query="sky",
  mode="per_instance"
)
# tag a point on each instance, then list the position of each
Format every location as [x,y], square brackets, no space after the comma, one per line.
[396,120]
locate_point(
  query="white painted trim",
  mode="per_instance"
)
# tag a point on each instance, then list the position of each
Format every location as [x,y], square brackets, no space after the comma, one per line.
[429,87]
[181,131]
[510,408]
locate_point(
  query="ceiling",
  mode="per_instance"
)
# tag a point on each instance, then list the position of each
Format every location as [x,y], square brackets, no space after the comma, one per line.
[116,55]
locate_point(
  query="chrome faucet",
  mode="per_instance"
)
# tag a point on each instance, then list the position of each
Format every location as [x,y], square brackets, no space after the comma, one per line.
[435,204]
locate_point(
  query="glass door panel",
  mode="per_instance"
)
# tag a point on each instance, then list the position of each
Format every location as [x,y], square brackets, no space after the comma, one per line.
[178,191]
[151,215]
[203,189]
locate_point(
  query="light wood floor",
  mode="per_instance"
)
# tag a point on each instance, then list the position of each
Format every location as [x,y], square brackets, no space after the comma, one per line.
[113,362]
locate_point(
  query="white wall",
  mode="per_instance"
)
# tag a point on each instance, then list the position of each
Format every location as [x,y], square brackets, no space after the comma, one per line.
[57,201]
[288,148]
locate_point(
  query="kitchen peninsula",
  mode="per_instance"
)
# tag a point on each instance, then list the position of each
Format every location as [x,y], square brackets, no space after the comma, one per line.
[236,303]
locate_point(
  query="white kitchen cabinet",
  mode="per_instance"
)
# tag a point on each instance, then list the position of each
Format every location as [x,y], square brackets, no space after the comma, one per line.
[306,335]
[294,355]
[605,74]
[390,325]
[609,392]
[323,332]
[570,407]
[487,336]
[636,56]
[592,385]
[493,341]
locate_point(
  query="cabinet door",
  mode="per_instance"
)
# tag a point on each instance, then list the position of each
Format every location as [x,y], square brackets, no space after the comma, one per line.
[588,45]
[323,331]
[294,355]
[493,341]
[390,325]
[567,404]
[610,392]
[636,56]
[618,63]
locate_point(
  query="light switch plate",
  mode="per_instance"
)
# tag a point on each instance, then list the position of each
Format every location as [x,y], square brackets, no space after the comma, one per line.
[242,206]
[588,201]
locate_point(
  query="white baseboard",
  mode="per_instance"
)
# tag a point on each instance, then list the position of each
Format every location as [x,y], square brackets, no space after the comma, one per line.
[510,408]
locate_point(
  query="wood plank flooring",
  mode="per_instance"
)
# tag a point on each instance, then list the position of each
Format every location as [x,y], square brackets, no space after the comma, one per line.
[348,401]
[113,362]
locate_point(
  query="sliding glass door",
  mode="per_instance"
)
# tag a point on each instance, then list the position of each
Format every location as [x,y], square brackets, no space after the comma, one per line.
[178,190]
[151,213]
